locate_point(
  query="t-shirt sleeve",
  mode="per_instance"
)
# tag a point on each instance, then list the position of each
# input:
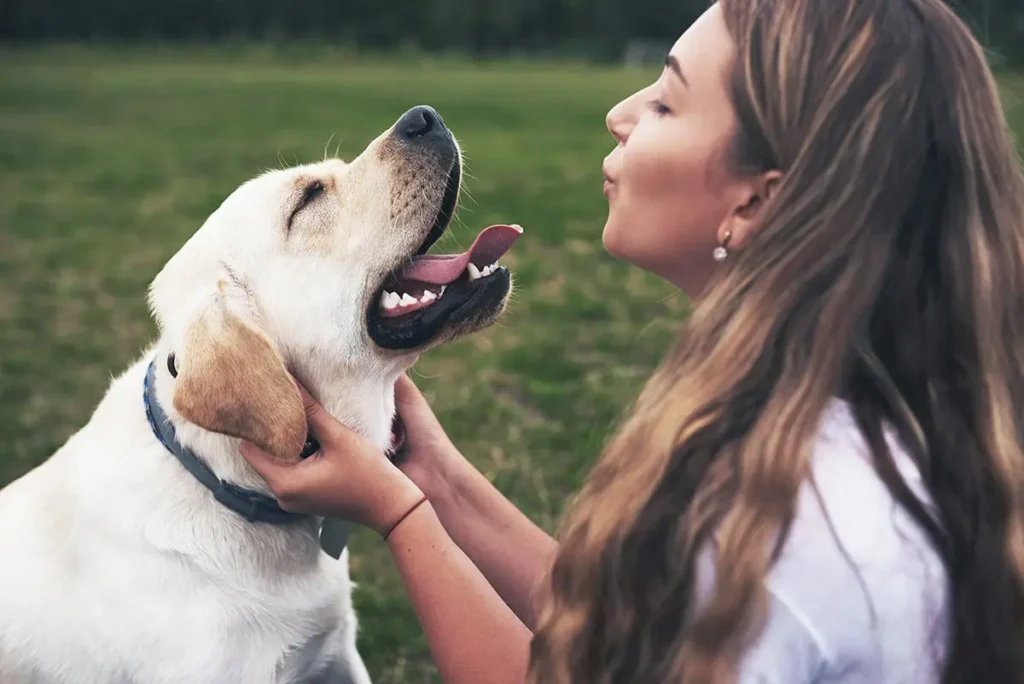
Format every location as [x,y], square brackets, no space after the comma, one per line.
[786,652]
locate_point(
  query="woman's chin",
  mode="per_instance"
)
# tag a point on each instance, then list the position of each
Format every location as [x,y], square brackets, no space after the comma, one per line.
[619,243]
[614,242]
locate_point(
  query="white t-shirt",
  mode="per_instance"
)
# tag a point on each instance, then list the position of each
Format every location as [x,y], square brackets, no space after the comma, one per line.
[858,595]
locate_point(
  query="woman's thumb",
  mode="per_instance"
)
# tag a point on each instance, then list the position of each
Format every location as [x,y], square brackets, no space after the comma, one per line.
[333,435]
[407,395]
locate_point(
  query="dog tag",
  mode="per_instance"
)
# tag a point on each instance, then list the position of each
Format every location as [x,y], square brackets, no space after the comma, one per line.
[334,536]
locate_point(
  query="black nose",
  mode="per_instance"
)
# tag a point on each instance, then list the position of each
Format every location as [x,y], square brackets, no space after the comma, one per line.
[421,125]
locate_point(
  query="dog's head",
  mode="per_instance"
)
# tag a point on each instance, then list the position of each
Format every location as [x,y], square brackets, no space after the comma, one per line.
[316,267]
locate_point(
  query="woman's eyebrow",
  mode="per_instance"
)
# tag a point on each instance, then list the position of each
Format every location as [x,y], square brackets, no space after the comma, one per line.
[672,63]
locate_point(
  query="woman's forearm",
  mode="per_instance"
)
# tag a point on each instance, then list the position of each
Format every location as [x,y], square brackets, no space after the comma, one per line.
[473,636]
[511,551]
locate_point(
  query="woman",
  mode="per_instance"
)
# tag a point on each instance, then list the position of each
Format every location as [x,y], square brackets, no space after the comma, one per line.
[824,480]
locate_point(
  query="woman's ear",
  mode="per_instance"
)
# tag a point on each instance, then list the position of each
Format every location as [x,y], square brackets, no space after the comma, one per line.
[753,195]
[232,380]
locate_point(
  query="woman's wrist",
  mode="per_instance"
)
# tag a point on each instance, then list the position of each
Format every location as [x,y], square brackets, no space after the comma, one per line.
[438,476]
[420,512]
[395,503]
[422,501]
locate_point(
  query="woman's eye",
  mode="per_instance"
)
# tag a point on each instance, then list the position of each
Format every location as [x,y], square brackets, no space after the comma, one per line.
[658,107]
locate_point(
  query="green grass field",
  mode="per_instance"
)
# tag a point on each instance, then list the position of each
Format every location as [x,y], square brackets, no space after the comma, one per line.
[110,160]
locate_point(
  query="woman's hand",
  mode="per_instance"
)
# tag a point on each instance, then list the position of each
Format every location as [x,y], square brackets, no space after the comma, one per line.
[347,478]
[473,635]
[428,454]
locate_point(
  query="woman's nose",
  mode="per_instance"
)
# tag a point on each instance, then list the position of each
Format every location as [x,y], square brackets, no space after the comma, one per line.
[621,120]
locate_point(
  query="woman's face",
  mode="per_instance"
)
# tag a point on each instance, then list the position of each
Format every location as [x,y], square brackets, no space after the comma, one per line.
[670,190]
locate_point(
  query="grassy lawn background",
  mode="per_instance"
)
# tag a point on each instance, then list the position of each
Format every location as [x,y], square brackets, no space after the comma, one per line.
[109,160]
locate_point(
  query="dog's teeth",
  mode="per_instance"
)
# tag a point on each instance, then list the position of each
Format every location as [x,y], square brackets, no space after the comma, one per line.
[485,271]
[428,297]
[474,272]
[441,293]
[389,300]
[406,300]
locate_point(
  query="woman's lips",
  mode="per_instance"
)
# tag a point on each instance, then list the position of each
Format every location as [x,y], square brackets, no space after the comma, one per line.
[609,180]
[606,169]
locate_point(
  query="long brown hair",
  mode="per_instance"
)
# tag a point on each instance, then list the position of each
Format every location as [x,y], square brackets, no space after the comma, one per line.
[888,270]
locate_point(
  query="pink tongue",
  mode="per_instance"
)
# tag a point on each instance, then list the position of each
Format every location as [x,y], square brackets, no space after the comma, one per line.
[442,269]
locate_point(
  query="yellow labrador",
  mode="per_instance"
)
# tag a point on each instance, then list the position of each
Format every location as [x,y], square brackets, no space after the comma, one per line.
[120,565]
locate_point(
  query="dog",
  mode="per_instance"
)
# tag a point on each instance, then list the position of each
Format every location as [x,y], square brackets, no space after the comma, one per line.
[119,564]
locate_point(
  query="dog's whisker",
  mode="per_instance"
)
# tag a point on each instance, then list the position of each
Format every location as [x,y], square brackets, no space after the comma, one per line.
[423,375]
[327,146]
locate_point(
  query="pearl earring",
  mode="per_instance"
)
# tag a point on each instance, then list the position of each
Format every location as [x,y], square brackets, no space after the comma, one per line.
[721,252]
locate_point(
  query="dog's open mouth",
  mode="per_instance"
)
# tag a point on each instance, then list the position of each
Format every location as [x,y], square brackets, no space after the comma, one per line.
[419,298]
[431,290]
[429,278]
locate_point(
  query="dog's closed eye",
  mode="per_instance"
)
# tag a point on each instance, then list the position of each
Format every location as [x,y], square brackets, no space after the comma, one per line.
[310,193]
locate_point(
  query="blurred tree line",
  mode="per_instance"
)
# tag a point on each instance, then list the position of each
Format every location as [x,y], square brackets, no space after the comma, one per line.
[598,29]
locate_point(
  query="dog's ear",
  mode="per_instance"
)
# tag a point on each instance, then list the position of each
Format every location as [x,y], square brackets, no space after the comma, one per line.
[232,380]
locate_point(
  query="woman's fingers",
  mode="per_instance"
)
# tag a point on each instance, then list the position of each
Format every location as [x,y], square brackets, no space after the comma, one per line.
[285,478]
[294,481]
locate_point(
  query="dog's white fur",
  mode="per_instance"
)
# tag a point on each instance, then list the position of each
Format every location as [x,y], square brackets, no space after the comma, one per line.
[117,566]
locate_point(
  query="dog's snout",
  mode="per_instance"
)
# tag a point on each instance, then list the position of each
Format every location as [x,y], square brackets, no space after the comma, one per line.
[422,125]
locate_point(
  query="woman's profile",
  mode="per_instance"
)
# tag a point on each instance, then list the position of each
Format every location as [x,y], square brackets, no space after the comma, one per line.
[824,479]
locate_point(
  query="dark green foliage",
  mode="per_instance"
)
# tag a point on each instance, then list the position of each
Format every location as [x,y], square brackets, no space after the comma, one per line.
[582,28]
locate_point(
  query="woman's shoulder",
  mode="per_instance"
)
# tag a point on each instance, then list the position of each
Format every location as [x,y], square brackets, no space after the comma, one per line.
[857,571]
[846,506]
